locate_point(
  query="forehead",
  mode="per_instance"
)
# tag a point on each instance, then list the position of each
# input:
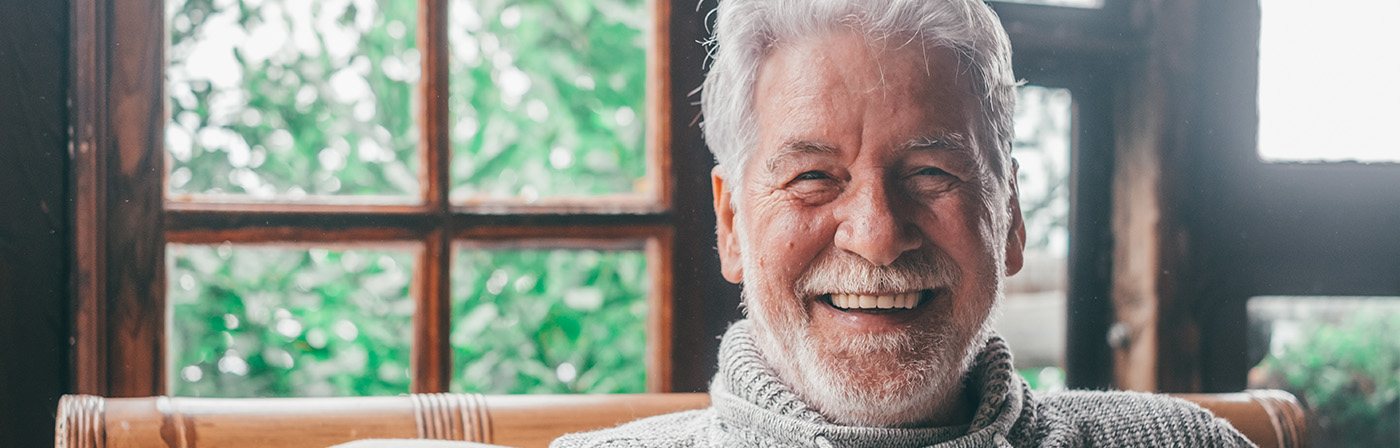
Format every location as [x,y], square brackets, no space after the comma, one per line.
[843,89]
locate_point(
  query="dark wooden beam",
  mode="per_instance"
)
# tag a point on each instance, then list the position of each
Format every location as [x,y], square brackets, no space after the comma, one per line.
[281,222]
[118,164]
[34,229]
[1113,31]
[432,323]
[135,189]
[1156,337]
[1088,356]
[705,303]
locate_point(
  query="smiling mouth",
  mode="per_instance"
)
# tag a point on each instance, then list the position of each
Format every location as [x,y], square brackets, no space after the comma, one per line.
[879,303]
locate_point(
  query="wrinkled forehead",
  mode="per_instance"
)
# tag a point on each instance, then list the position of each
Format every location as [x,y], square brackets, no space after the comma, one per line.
[849,56]
[844,84]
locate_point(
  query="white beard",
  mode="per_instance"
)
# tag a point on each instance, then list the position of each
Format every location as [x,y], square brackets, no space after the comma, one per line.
[921,370]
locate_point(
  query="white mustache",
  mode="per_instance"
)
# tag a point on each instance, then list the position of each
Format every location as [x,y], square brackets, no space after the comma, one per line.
[839,271]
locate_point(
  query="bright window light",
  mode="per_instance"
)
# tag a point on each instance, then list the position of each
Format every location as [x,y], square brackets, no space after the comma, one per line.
[1327,81]
[1070,3]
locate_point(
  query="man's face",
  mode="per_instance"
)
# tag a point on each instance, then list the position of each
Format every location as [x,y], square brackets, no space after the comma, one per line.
[871,235]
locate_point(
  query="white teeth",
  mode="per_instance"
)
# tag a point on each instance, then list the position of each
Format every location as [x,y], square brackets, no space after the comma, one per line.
[860,301]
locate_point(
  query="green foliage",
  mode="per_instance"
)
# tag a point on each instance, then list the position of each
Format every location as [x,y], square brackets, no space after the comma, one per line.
[1044,379]
[549,321]
[250,321]
[284,99]
[1043,147]
[1348,373]
[548,97]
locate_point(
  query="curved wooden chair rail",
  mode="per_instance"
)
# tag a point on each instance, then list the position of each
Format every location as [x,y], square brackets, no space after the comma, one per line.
[1270,418]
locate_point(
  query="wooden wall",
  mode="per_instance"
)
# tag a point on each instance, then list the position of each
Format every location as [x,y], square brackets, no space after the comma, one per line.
[34,316]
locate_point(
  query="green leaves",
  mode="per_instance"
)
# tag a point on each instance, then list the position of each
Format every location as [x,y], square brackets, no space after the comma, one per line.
[547,99]
[1043,147]
[257,321]
[1348,374]
[254,321]
[280,100]
[549,321]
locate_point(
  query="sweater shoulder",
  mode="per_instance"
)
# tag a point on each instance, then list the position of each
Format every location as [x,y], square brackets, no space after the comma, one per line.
[681,429]
[1141,419]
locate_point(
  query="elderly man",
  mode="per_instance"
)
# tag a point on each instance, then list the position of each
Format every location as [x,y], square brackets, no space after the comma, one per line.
[866,199]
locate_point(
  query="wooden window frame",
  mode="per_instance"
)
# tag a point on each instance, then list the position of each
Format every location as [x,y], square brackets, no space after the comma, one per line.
[122,218]
[1078,49]
[1199,224]
[1282,228]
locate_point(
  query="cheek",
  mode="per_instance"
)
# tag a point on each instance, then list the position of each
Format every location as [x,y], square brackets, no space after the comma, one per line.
[785,242]
[959,226]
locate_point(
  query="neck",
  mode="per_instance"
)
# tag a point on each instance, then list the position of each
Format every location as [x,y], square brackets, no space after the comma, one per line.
[951,404]
[956,410]
[753,394]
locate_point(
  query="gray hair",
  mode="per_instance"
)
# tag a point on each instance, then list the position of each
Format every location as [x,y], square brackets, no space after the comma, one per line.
[746,31]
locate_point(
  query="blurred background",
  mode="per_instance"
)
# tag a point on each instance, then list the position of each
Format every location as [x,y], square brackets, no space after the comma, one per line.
[275,198]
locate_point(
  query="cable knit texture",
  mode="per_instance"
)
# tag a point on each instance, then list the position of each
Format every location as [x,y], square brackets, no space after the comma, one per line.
[751,408]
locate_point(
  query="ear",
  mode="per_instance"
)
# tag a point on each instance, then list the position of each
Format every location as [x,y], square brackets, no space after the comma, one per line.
[728,242]
[1016,232]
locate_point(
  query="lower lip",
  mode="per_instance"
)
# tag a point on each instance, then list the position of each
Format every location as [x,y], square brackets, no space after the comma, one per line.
[879,321]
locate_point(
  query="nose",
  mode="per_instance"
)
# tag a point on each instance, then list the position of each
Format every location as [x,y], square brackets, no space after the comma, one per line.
[874,226]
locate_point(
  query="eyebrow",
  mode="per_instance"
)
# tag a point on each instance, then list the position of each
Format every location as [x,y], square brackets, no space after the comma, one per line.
[951,141]
[938,141]
[795,147]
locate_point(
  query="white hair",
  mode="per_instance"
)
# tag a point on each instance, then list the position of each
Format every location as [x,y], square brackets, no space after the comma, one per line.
[746,31]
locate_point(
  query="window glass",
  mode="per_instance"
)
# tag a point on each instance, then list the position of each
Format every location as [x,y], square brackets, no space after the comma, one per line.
[1323,93]
[1070,3]
[285,100]
[548,98]
[268,321]
[1033,313]
[1340,356]
[547,320]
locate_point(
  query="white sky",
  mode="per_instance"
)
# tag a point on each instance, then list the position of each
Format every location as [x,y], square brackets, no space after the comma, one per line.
[1074,3]
[1328,75]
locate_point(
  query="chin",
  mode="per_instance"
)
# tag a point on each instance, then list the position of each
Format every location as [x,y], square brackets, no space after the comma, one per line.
[900,379]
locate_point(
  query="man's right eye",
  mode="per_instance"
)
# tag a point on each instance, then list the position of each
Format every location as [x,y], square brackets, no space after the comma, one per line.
[811,175]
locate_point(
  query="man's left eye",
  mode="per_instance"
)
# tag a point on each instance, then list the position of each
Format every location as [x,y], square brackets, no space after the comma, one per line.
[931,171]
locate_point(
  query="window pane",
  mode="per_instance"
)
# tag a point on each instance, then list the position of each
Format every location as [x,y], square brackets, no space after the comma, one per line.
[1071,3]
[548,98]
[259,321]
[549,320]
[284,100]
[1033,314]
[1328,99]
[1340,355]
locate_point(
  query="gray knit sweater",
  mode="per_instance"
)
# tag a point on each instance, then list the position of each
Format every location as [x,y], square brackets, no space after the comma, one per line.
[751,408]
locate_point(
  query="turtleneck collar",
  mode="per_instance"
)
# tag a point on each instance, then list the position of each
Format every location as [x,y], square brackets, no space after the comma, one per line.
[751,399]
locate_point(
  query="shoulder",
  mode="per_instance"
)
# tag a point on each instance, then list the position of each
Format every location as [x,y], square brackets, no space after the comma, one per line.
[1141,419]
[681,429]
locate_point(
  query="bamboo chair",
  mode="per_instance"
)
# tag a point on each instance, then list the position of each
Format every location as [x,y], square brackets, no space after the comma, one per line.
[1269,418]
